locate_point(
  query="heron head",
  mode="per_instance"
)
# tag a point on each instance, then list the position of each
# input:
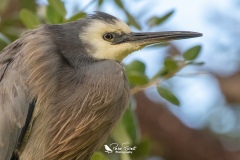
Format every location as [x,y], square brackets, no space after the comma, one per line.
[110,38]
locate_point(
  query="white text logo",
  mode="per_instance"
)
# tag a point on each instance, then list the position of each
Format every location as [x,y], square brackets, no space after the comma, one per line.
[116,148]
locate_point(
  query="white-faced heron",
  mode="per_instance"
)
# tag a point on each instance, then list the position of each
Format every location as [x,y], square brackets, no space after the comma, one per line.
[63,88]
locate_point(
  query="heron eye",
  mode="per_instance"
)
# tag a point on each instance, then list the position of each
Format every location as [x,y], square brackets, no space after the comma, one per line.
[108,36]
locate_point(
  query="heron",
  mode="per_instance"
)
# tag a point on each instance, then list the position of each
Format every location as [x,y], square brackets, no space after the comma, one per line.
[63,86]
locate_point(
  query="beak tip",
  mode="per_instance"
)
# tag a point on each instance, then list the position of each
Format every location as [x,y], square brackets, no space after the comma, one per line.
[189,34]
[192,34]
[198,34]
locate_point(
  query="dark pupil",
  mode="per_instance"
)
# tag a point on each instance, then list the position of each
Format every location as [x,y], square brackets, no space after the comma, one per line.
[108,36]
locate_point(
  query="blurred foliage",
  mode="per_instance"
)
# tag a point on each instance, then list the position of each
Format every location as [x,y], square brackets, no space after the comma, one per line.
[154,21]
[29,19]
[17,16]
[192,53]
[168,95]
[136,73]
[98,156]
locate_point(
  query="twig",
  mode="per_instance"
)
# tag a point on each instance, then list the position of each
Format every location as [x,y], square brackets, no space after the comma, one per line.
[190,74]
[137,89]
[156,80]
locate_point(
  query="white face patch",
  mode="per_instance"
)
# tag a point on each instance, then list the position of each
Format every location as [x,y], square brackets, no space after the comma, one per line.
[93,35]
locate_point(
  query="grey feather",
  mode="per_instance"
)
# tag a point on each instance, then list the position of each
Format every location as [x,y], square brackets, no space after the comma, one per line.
[13,99]
[73,69]
[103,17]
[79,98]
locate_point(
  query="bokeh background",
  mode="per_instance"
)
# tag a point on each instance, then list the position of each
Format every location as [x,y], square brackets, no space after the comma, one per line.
[206,124]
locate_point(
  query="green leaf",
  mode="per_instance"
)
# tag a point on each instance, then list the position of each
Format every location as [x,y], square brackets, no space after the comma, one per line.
[100,2]
[136,73]
[2,45]
[170,64]
[168,95]
[98,156]
[136,66]
[129,120]
[58,6]
[28,4]
[120,134]
[132,21]
[192,53]
[142,150]
[137,78]
[53,17]
[77,16]
[28,18]
[159,20]
[119,4]
[164,71]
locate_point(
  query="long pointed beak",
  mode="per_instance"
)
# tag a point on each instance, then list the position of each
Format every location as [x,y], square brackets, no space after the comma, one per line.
[147,38]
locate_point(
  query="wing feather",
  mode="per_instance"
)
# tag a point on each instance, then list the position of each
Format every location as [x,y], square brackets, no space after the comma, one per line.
[14,101]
